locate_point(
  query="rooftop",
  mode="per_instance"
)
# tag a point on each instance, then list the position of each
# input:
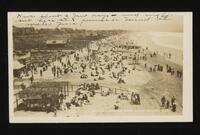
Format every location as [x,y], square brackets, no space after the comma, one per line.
[56,42]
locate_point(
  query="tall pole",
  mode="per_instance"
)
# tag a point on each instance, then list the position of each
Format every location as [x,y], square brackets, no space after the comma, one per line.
[67,88]
[17,101]
[64,90]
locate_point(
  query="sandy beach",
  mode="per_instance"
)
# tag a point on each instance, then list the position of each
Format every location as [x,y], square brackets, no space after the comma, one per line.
[151,85]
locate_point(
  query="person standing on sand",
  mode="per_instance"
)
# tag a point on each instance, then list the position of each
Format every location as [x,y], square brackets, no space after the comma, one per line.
[180,74]
[174,106]
[167,104]
[31,79]
[41,73]
[55,111]
[177,73]
[154,69]
[57,72]
[167,66]
[163,100]
[173,100]
[54,74]
[150,69]
[170,55]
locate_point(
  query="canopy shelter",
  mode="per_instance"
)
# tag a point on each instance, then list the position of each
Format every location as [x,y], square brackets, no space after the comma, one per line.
[17,65]
[40,94]
[40,88]
[17,68]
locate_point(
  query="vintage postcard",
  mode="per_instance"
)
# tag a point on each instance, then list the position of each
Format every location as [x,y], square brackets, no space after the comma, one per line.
[82,67]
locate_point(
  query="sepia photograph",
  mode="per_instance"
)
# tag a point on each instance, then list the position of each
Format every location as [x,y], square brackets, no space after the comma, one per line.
[83,67]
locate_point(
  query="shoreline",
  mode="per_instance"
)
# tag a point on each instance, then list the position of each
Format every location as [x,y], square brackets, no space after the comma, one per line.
[157,81]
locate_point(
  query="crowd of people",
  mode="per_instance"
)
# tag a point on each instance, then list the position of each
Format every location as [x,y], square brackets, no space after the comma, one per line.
[81,97]
[100,65]
[167,104]
[158,67]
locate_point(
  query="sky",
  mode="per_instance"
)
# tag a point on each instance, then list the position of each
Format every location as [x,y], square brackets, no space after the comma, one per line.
[168,22]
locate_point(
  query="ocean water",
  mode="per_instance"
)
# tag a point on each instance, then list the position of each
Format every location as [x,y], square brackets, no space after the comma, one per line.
[165,39]
[163,42]
[168,39]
